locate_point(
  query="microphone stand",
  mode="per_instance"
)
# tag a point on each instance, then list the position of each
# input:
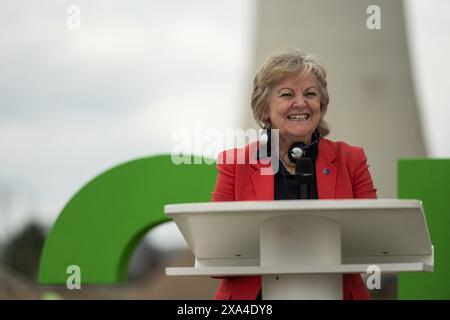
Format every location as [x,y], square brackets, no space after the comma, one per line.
[304,173]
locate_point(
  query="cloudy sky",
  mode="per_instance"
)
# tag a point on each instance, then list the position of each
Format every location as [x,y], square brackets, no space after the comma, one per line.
[74,103]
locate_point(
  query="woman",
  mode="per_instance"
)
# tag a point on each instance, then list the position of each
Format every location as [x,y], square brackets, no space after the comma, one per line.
[290,94]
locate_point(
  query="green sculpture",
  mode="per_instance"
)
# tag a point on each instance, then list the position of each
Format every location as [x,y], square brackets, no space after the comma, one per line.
[102,224]
[429,181]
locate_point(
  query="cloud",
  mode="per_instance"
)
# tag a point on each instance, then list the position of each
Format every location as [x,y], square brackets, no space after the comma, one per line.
[74,103]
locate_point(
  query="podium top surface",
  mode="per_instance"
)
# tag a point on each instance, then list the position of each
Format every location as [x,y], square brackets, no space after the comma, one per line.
[369,227]
[288,205]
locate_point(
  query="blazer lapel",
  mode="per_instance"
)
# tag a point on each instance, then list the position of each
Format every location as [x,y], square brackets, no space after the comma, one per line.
[262,184]
[326,173]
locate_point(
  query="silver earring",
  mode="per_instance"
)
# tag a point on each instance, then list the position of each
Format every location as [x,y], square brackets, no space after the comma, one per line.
[265,136]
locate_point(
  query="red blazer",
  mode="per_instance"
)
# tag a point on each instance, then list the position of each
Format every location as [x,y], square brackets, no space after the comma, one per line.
[342,173]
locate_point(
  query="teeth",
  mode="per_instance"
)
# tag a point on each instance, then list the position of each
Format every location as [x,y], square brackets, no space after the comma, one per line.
[302,116]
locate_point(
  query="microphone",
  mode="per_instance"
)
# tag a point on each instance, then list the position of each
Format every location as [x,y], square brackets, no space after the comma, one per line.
[304,174]
[300,150]
[296,152]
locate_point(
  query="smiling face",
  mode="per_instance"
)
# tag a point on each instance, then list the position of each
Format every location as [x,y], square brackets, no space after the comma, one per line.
[294,108]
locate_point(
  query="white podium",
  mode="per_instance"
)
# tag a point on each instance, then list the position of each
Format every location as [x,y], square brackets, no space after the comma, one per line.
[301,248]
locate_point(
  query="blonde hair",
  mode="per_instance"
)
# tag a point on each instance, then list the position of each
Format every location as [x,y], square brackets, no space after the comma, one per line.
[284,62]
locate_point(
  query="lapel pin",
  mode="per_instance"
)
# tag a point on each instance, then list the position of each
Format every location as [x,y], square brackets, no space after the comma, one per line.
[326,171]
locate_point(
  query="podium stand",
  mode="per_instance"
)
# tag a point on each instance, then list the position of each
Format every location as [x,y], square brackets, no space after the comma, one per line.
[301,248]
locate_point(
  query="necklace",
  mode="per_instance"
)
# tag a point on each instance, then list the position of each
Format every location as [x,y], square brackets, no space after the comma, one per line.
[288,166]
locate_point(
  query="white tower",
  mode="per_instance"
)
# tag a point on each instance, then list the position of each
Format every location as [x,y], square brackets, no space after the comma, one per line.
[372,101]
